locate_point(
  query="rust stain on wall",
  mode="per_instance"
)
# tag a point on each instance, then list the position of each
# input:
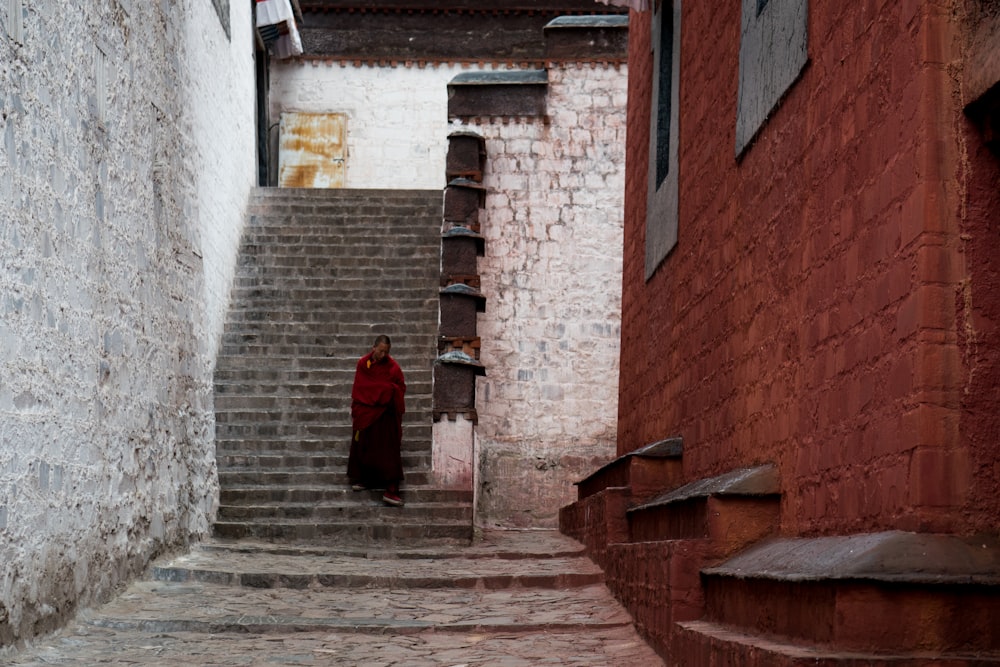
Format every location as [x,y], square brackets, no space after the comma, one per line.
[312,151]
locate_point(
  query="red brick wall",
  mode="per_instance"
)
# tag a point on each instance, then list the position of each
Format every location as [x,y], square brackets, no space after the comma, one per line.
[979,330]
[816,310]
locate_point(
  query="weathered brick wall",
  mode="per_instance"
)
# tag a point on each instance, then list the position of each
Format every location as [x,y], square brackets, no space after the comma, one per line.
[810,312]
[551,274]
[119,210]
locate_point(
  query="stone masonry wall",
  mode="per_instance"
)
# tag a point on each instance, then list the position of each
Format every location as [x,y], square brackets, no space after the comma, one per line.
[552,279]
[126,154]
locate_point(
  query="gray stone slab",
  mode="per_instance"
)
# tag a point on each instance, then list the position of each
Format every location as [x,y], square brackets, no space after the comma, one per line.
[892,556]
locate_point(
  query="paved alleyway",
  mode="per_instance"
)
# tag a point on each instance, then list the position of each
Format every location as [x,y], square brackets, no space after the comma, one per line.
[512,599]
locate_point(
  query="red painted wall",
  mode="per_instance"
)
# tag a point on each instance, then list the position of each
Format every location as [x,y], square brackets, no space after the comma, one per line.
[833,301]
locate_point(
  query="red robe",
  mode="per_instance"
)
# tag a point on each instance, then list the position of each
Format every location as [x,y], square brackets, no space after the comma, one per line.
[377,407]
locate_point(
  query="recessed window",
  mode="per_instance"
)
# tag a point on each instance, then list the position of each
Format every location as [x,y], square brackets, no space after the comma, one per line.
[773,52]
[663,101]
[661,202]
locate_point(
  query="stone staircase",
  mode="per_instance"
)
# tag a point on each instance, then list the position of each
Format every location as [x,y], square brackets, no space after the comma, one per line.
[513,598]
[320,274]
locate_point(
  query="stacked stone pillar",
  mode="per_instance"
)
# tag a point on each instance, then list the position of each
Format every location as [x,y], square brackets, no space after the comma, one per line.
[457,364]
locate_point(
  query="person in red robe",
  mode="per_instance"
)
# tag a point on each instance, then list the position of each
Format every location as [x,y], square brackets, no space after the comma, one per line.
[377,407]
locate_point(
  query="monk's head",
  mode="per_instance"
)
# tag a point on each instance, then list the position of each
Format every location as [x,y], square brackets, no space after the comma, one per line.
[380,348]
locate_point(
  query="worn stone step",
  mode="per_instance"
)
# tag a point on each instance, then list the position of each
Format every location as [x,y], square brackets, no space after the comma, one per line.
[311,369]
[322,311]
[415,454]
[439,610]
[378,279]
[397,262]
[278,350]
[416,434]
[330,459]
[343,511]
[301,572]
[363,532]
[250,495]
[336,399]
[337,244]
[388,215]
[351,330]
[345,347]
[331,416]
[323,291]
[346,282]
[281,477]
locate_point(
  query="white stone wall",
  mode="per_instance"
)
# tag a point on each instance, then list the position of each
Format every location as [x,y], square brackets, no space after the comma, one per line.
[126,155]
[397,117]
[548,405]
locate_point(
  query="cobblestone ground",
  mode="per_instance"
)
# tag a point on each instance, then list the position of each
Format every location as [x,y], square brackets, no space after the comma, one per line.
[514,598]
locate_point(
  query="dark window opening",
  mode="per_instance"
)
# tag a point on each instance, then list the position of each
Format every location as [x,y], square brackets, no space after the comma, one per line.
[663,102]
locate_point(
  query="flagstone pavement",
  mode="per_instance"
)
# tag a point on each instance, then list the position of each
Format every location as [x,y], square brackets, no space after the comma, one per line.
[512,599]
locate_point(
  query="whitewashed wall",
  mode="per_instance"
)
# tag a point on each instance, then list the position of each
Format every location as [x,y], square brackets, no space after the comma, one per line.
[126,155]
[548,405]
[397,117]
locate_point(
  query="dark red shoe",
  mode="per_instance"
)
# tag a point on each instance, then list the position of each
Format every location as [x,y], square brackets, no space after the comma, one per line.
[390,498]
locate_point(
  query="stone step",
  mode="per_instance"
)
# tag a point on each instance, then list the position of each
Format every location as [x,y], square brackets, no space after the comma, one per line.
[245,386]
[399,213]
[329,311]
[416,435]
[327,291]
[345,282]
[279,350]
[331,317]
[336,243]
[484,603]
[350,511]
[340,253]
[230,457]
[255,495]
[280,378]
[330,417]
[319,363]
[357,532]
[301,572]
[310,404]
[355,611]
[331,348]
[413,450]
[300,477]
[419,271]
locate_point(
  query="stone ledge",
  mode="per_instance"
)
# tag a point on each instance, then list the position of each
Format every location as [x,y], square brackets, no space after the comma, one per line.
[498,93]
[757,481]
[892,556]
